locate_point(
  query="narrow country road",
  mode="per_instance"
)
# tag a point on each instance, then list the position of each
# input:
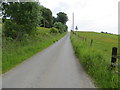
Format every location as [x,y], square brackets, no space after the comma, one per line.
[54,67]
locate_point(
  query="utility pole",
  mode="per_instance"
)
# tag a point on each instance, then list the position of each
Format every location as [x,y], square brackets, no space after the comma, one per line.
[73,21]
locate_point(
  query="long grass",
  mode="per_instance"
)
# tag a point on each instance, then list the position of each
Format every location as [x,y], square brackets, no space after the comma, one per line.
[0,46]
[97,59]
[15,52]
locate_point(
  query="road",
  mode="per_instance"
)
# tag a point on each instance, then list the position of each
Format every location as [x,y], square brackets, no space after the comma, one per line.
[54,67]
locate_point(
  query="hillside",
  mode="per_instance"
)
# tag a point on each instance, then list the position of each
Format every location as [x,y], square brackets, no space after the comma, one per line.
[96,57]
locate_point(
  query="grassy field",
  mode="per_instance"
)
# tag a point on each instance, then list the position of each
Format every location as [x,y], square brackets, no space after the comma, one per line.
[96,59]
[15,52]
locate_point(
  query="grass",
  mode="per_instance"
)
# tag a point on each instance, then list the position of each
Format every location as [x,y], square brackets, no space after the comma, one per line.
[97,59]
[15,52]
[0,47]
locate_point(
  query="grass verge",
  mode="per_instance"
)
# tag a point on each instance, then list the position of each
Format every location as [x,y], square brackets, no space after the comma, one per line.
[15,52]
[96,59]
[0,47]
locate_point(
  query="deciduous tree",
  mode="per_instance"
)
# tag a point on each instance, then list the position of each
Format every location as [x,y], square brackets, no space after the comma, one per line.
[47,20]
[62,17]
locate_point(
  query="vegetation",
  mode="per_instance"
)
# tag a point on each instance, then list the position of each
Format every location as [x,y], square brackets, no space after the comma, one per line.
[21,18]
[60,22]
[62,17]
[96,58]
[0,45]
[15,52]
[61,27]
[47,20]
[23,32]
[53,30]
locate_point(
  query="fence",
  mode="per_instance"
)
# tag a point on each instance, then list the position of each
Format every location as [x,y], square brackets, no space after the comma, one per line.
[114,59]
[114,54]
[84,39]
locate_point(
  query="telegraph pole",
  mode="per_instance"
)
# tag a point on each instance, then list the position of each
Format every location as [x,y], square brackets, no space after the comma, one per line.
[73,21]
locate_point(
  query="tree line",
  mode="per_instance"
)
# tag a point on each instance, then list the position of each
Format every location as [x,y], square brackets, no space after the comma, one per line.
[21,18]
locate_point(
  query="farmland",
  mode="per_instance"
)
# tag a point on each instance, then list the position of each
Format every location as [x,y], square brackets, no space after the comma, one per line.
[96,57]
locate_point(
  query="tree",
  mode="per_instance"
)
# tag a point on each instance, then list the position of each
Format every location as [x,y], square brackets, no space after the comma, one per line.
[24,15]
[47,20]
[54,20]
[65,28]
[61,27]
[0,8]
[62,17]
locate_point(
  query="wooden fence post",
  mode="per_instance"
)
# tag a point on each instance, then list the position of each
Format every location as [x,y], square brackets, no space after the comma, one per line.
[114,56]
[91,42]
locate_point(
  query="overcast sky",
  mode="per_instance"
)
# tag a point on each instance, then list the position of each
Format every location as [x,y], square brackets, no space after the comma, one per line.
[90,15]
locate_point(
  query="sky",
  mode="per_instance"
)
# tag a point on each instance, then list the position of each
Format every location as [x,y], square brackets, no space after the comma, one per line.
[89,15]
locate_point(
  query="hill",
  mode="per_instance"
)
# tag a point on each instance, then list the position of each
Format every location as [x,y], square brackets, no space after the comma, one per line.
[96,57]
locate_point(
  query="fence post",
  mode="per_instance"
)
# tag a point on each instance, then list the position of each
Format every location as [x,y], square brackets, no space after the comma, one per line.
[114,56]
[91,43]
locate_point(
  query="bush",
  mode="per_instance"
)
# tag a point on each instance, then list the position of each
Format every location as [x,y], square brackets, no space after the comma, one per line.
[9,39]
[53,30]
[24,17]
[61,27]
[9,29]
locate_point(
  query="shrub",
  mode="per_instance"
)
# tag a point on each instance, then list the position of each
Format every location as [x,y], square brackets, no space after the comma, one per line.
[61,27]
[53,30]
[9,29]
[9,39]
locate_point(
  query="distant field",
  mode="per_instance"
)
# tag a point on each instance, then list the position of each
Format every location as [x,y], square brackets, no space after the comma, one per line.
[15,52]
[101,41]
[96,59]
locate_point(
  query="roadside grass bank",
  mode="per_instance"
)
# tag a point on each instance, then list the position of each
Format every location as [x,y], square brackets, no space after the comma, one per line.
[15,52]
[97,59]
[0,46]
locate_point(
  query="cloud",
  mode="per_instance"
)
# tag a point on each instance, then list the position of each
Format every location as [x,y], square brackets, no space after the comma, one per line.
[95,15]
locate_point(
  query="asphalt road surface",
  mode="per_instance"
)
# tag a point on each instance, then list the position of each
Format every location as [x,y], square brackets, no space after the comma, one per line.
[54,67]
